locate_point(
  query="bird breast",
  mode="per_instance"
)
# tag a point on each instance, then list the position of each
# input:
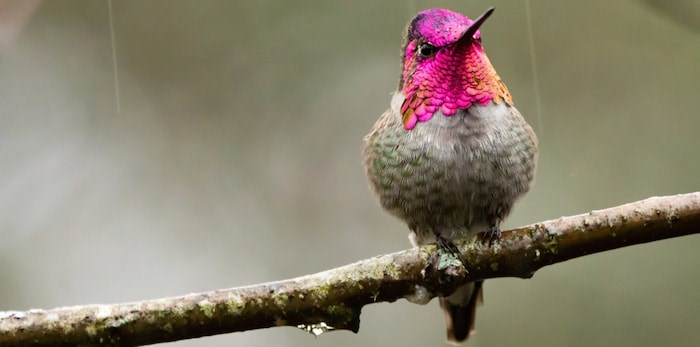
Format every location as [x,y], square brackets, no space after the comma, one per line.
[451,172]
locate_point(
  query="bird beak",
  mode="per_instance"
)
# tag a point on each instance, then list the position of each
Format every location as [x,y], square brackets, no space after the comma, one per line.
[469,34]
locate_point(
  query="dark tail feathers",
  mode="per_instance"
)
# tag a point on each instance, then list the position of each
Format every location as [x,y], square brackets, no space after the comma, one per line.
[460,311]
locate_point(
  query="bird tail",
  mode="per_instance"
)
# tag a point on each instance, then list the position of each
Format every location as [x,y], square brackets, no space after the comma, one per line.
[460,311]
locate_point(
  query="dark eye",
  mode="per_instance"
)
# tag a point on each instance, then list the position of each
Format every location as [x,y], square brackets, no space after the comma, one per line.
[426,50]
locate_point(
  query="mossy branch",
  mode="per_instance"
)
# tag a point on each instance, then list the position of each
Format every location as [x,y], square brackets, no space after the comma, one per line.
[336,297]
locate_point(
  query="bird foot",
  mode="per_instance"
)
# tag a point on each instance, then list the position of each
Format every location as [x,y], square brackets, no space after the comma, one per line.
[491,235]
[445,263]
[446,245]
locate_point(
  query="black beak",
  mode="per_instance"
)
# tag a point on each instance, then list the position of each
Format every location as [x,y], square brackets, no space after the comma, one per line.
[477,23]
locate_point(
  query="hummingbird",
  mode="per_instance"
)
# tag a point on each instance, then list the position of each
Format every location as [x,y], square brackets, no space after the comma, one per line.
[452,154]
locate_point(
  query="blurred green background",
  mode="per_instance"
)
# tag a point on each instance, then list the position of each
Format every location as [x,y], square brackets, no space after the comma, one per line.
[235,158]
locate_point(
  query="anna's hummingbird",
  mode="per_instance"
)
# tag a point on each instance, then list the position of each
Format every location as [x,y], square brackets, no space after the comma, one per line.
[451,154]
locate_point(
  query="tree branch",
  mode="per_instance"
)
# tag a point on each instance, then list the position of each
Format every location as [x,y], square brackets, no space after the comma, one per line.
[335,297]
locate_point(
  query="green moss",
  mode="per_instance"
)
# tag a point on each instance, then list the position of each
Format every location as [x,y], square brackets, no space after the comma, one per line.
[343,314]
[91,330]
[531,232]
[67,329]
[391,270]
[121,321]
[336,310]
[672,218]
[552,245]
[207,308]
[496,247]
[235,304]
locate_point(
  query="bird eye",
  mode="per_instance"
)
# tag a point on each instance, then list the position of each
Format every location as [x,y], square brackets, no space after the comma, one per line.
[426,50]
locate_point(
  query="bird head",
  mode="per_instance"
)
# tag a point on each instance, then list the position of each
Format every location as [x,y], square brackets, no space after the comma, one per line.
[445,68]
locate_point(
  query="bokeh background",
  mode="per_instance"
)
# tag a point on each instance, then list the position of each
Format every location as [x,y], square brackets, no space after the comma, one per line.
[232,157]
